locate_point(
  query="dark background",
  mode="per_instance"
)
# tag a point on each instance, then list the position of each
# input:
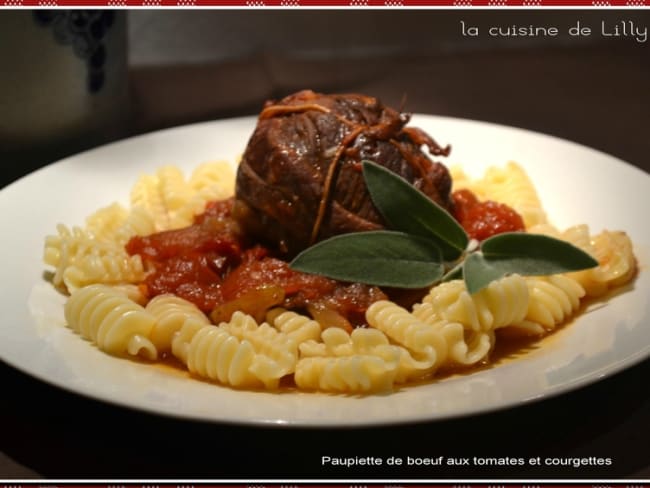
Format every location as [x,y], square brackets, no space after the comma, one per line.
[187,66]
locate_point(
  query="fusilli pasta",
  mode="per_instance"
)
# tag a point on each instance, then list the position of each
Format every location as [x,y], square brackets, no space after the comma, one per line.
[107,317]
[423,341]
[501,303]
[613,251]
[448,328]
[509,185]
[171,313]
[553,299]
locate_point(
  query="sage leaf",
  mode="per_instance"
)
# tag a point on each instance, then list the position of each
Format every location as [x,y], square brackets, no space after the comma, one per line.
[381,258]
[408,210]
[478,272]
[535,254]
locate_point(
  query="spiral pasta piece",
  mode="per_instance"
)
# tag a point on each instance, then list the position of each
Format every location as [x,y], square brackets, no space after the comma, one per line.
[280,348]
[70,247]
[613,251]
[367,342]
[501,303]
[616,263]
[509,185]
[335,341]
[450,301]
[346,374]
[465,346]
[173,188]
[210,181]
[173,201]
[215,354]
[163,196]
[116,225]
[96,254]
[362,361]
[107,268]
[462,181]
[238,353]
[467,322]
[181,201]
[182,338]
[139,222]
[553,299]
[132,291]
[111,320]
[106,222]
[171,313]
[424,342]
[512,186]
[298,327]
[215,177]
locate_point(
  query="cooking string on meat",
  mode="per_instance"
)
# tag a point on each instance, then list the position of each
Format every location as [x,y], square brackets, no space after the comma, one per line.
[290,184]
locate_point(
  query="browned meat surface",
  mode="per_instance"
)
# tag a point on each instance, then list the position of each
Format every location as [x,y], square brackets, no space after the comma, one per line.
[300,177]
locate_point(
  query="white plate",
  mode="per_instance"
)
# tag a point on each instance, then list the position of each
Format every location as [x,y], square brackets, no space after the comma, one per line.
[576,184]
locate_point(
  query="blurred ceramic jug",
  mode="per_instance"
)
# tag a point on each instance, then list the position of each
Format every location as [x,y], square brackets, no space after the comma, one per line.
[63,84]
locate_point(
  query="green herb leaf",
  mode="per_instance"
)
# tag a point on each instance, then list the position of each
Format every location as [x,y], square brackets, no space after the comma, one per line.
[407,209]
[478,272]
[381,258]
[535,254]
[524,254]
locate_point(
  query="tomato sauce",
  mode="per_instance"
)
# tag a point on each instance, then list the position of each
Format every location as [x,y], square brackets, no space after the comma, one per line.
[484,219]
[211,263]
[191,262]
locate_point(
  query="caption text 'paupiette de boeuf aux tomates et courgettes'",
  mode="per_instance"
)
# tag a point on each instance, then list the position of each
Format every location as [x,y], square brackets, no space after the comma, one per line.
[342,256]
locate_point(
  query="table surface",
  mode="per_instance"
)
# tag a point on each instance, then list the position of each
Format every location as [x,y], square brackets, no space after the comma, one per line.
[595,95]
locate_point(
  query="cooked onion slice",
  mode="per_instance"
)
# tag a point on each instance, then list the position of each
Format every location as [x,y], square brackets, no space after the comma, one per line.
[328,317]
[255,303]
